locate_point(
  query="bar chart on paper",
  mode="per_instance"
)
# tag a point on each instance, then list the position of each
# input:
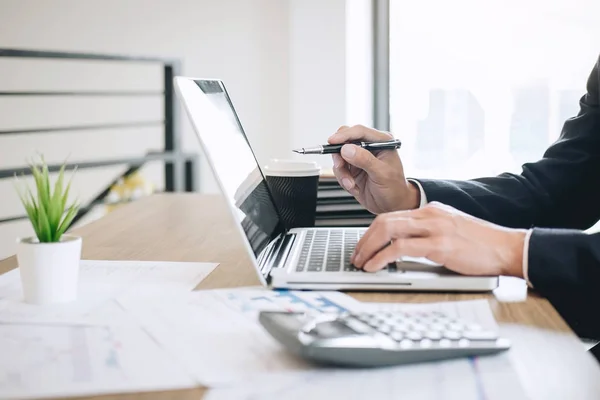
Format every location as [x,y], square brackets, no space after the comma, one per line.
[317,302]
[56,360]
[38,353]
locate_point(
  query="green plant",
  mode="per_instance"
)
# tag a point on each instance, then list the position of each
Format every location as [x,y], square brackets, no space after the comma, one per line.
[48,211]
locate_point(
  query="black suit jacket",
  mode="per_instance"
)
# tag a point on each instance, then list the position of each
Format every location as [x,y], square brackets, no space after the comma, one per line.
[558,196]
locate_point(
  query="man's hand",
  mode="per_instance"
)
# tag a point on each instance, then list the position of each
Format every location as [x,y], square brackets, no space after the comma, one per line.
[444,235]
[376,180]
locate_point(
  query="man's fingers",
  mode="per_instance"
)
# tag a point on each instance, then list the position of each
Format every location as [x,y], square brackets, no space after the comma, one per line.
[385,229]
[404,247]
[343,176]
[362,159]
[338,161]
[358,133]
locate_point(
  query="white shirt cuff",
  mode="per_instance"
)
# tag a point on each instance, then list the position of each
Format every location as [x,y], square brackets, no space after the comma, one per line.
[423,195]
[525,244]
[526,258]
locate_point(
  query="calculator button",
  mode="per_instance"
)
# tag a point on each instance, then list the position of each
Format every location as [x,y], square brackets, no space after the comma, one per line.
[464,343]
[455,327]
[452,335]
[406,344]
[401,327]
[433,335]
[445,343]
[473,327]
[426,343]
[437,327]
[414,335]
[419,327]
[385,328]
[357,326]
[397,336]
[480,335]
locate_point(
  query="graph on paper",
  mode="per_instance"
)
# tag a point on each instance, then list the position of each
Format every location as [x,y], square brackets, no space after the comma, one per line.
[57,356]
[55,360]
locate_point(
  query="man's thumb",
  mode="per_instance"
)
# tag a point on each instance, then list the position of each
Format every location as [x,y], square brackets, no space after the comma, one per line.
[361,158]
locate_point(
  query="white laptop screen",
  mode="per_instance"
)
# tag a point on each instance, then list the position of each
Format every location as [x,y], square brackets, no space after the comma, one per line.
[236,166]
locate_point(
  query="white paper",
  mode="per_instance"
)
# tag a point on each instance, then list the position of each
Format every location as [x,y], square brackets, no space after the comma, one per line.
[100,283]
[475,378]
[490,378]
[216,335]
[58,360]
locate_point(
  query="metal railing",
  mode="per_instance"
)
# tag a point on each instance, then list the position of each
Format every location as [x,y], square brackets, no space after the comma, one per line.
[180,168]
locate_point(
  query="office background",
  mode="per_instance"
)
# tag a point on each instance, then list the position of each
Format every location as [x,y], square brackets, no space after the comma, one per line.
[472,89]
[264,50]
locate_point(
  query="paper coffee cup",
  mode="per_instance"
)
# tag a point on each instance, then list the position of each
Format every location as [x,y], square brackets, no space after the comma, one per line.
[293,185]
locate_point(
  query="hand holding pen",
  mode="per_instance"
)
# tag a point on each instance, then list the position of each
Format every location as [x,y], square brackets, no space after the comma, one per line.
[375,179]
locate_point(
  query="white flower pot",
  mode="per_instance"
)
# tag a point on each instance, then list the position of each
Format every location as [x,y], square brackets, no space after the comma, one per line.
[49,271]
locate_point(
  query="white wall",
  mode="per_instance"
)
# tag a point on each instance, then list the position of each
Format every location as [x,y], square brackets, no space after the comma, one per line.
[317,72]
[243,42]
[284,63]
[330,69]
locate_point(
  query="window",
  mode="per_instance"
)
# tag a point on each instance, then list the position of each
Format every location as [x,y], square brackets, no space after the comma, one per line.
[478,87]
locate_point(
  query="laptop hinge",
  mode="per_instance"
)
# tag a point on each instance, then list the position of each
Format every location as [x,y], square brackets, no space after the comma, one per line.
[275,254]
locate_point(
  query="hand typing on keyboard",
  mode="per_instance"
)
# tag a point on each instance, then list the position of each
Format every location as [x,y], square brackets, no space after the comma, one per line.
[442,234]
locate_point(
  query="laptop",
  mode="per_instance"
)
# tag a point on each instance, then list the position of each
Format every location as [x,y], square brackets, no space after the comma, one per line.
[300,258]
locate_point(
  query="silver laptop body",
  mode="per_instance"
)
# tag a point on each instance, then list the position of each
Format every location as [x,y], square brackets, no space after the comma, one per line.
[301,258]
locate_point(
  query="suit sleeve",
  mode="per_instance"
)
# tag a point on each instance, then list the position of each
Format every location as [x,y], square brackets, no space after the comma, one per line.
[560,190]
[564,266]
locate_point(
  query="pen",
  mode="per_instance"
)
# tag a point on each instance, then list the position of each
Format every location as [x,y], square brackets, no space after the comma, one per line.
[336,148]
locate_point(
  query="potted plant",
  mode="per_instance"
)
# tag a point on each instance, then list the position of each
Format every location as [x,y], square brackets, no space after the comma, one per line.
[49,261]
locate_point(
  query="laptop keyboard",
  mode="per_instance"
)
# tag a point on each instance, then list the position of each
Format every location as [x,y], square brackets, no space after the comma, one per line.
[328,250]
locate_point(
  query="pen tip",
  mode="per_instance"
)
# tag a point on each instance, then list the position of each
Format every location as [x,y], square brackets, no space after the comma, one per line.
[299,151]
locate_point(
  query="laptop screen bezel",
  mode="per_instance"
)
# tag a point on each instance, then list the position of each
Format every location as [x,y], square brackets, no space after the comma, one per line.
[192,98]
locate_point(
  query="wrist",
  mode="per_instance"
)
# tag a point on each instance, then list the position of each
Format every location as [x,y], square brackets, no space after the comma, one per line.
[414,196]
[515,244]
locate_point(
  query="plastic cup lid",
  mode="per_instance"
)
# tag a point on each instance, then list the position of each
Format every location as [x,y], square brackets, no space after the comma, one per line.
[292,168]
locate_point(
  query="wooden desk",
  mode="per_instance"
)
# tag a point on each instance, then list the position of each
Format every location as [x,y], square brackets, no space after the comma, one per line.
[193,227]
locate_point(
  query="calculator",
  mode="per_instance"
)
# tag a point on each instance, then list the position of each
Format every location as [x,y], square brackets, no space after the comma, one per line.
[372,339]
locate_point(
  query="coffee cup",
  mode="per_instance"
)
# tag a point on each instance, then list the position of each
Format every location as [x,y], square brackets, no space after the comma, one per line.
[293,185]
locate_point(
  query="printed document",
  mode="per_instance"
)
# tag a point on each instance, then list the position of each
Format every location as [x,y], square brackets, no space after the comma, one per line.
[100,283]
[58,360]
[215,334]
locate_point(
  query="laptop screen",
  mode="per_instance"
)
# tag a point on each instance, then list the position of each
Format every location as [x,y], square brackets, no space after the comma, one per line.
[237,168]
